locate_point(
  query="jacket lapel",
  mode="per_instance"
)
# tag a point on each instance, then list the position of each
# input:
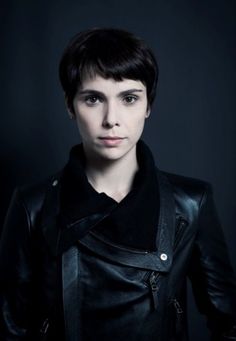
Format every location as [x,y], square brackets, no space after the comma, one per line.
[166,224]
[70,292]
[70,255]
[50,212]
[59,236]
[53,231]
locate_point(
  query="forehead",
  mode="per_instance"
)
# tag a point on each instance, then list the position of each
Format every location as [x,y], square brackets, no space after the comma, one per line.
[110,85]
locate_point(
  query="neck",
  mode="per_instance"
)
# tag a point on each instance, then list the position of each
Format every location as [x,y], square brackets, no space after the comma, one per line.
[115,178]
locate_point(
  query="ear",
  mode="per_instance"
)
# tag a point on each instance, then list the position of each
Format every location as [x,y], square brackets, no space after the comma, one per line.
[71,115]
[148,112]
[69,109]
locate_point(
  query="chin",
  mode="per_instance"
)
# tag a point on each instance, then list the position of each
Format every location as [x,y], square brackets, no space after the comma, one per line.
[111,155]
[115,154]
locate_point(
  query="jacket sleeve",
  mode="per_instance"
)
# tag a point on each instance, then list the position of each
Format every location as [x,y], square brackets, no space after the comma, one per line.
[16,274]
[211,274]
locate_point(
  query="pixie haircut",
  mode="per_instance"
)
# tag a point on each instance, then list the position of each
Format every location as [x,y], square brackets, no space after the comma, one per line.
[110,53]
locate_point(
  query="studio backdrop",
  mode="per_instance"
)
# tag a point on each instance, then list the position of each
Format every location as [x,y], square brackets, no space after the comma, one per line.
[192,127]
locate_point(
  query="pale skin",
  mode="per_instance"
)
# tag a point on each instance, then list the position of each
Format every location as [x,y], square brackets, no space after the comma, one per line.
[110,116]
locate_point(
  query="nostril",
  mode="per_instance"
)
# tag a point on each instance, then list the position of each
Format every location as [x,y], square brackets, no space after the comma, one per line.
[107,124]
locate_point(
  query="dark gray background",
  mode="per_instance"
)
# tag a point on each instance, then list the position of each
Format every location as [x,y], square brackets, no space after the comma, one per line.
[192,128]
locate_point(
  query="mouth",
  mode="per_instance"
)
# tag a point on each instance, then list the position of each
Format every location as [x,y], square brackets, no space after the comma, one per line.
[111,141]
[111,138]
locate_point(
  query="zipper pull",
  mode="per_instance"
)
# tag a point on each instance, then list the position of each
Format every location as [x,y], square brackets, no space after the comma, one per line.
[180,228]
[181,223]
[154,288]
[44,327]
[177,306]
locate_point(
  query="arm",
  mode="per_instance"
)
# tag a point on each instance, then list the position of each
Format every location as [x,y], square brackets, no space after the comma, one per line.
[211,274]
[15,273]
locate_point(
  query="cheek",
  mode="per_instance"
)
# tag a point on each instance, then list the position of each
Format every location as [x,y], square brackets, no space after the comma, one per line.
[86,127]
[138,126]
[137,122]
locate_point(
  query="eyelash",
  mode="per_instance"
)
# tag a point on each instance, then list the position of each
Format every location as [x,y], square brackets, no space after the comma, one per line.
[92,100]
[89,100]
[132,97]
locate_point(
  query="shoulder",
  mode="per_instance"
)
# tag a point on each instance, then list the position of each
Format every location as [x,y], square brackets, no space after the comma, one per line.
[187,184]
[189,193]
[32,196]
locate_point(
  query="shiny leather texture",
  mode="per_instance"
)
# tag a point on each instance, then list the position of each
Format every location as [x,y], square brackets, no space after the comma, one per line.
[98,290]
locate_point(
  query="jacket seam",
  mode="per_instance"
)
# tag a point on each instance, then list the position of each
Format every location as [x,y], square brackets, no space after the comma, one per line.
[203,198]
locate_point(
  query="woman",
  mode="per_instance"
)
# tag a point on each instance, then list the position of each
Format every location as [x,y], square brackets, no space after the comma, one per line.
[102,249]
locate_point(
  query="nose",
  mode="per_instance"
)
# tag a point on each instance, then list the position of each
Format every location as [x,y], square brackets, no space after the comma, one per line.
[110,118]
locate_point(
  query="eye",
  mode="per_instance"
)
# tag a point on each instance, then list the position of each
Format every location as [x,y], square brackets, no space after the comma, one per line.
[130,99]
[92,100]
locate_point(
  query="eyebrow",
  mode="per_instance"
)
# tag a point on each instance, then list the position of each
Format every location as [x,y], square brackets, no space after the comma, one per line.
[96,92]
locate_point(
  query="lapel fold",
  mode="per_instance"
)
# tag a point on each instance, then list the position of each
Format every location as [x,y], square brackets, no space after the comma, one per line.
[61,237]
[70,253]
[50,212]
[167,217]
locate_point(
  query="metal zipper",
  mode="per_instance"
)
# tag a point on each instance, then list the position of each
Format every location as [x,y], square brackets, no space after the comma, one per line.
[182,223]
[179,318]
[45,326]
[152,281]
[177,306]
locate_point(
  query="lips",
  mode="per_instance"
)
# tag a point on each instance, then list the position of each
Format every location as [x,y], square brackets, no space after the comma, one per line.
[111,138]
[111,141]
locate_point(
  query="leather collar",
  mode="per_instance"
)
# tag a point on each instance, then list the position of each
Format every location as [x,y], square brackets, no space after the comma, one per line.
[166,224]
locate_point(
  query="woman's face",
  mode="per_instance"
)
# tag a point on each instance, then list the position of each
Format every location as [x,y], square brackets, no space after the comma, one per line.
[110,116]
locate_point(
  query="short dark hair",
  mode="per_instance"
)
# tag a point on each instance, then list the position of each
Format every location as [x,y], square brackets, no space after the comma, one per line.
[110,53]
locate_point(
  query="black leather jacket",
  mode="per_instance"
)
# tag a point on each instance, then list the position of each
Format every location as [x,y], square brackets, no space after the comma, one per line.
[97,290]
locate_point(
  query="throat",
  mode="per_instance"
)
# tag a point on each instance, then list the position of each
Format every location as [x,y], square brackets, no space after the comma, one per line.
[112,189]
[115,179]
[114,184]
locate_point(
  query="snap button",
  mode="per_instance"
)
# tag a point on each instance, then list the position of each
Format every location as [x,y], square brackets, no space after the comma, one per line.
[163,256]
[55,182]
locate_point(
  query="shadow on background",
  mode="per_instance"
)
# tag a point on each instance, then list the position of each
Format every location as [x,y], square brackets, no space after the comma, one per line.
[192,128]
